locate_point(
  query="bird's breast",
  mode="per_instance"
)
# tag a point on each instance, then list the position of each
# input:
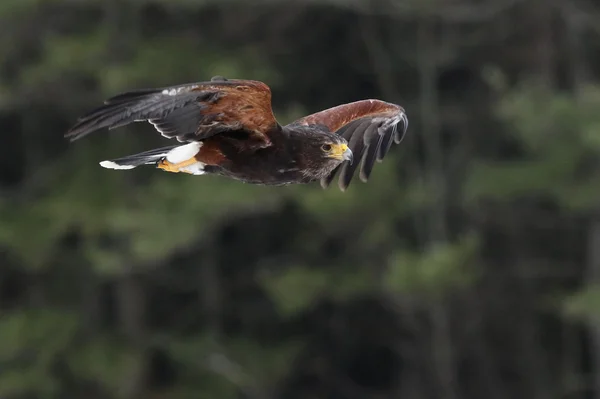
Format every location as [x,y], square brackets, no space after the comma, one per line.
[270,165]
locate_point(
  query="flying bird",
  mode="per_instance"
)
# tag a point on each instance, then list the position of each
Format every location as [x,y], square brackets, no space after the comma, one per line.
[227,127]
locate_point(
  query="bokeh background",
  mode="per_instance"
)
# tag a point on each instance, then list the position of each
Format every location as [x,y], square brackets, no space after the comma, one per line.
[467,267]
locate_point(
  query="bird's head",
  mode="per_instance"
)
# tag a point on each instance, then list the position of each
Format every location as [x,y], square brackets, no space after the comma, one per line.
[323,152]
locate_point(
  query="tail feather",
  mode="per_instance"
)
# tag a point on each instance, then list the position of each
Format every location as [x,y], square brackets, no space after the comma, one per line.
[150,157]
[177,158]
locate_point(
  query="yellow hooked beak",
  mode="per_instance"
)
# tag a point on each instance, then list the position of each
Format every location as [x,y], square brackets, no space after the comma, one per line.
[341,152]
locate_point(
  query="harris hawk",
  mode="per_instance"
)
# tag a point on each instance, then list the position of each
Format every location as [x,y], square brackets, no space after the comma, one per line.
[228,128]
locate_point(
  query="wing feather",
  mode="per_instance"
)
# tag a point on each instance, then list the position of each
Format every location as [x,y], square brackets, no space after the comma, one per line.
[189,112]
[357,145]
[369,126]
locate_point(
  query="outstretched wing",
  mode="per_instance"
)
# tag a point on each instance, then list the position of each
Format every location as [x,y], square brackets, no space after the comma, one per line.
[369,126]
[189,112]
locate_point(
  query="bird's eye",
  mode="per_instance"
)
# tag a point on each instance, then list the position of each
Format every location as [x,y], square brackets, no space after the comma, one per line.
[326,147]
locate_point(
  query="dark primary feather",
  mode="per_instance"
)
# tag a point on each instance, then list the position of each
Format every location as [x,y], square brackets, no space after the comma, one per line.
[180,114]
[369,140]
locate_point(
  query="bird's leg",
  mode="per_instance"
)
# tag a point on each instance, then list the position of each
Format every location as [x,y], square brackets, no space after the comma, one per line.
[176,167]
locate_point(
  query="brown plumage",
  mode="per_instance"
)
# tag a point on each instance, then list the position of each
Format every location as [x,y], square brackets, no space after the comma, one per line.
[229,129]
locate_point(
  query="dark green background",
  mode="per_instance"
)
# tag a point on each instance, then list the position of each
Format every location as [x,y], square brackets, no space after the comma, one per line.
[466,268]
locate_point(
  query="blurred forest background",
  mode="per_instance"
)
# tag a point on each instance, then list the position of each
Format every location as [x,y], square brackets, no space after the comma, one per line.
[468,266]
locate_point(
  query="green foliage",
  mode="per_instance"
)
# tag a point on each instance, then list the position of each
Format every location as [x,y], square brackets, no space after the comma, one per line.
[109,363]
[216,368]
[583,304]
[12,8]
[300,287]
[443,268]
[560,134]
[296,289]
[32,341]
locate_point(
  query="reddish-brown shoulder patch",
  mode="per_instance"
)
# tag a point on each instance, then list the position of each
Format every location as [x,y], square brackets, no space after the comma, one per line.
[210,153]
[243,103]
